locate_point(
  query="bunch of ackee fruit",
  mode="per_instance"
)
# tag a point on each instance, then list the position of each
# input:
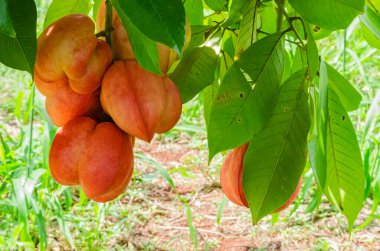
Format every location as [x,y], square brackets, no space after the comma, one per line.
[101,102]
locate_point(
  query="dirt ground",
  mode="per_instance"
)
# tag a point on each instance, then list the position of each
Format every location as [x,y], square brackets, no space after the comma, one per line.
[167,227]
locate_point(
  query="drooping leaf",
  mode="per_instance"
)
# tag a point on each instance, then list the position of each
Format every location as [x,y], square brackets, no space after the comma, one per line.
[197,36]
[95,9]
[247,95]
[276,157]
[194,11]
[195,71]
[236,9]
[6,26]
[318,32]
[329,14]
[144,49]
[370,37]
[371,20]
[374,4]
[317,147]
[209,94]
[370,23]
[312,53]
[163,21]
[59,9]
[19,51]
[247,36]
[347,93]
[266,15]
[345,173]
[217,5]
[299,60]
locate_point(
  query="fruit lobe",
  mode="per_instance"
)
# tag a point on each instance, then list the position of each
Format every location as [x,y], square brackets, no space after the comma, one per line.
[97,156]
[141,103]
[68,49]
[63,104]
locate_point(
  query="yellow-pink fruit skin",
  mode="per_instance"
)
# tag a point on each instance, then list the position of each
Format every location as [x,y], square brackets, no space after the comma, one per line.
[69,49]
[141,103]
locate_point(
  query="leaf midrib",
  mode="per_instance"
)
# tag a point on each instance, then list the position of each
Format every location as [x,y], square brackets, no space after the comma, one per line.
[299,96]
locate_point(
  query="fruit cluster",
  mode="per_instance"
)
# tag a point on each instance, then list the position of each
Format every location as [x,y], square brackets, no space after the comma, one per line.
[101,105]
[231,179]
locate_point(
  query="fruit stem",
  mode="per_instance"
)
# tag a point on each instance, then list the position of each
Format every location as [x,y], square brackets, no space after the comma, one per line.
[109,29]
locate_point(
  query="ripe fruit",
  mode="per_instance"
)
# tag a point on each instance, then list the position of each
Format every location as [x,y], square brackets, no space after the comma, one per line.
[68,49]
[96,155]
[141,103]
[122,45]
[231,179]
[231,176]
[63,104]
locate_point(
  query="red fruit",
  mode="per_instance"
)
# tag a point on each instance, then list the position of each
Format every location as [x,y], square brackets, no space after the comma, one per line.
[141,103]
[98,156]
[231,179]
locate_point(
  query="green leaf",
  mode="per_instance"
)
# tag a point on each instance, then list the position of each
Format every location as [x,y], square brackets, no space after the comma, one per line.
[374,4]
[345,173]
[318,32]
[163,21]
[276,157]
[329,14]
[312,53]
[195,71]
[144,49]
[6,26]
[19,51]
[194,11]
[217,5]
[247,95]
[370,23]
[317,147]
[246,31]
[95,9]
[209,94]
[236,9]
[370,37]
[267,14]
[347,93]
[299,60]
[197,36]
[59,9]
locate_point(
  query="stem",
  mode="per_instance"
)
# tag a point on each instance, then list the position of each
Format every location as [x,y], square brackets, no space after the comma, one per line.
[109,29]
[344,51]
[31,130]
[253,34]
[289,20]
[100,34]
[279,16]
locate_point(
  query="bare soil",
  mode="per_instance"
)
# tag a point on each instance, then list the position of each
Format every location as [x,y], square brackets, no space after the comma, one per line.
[167,226]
